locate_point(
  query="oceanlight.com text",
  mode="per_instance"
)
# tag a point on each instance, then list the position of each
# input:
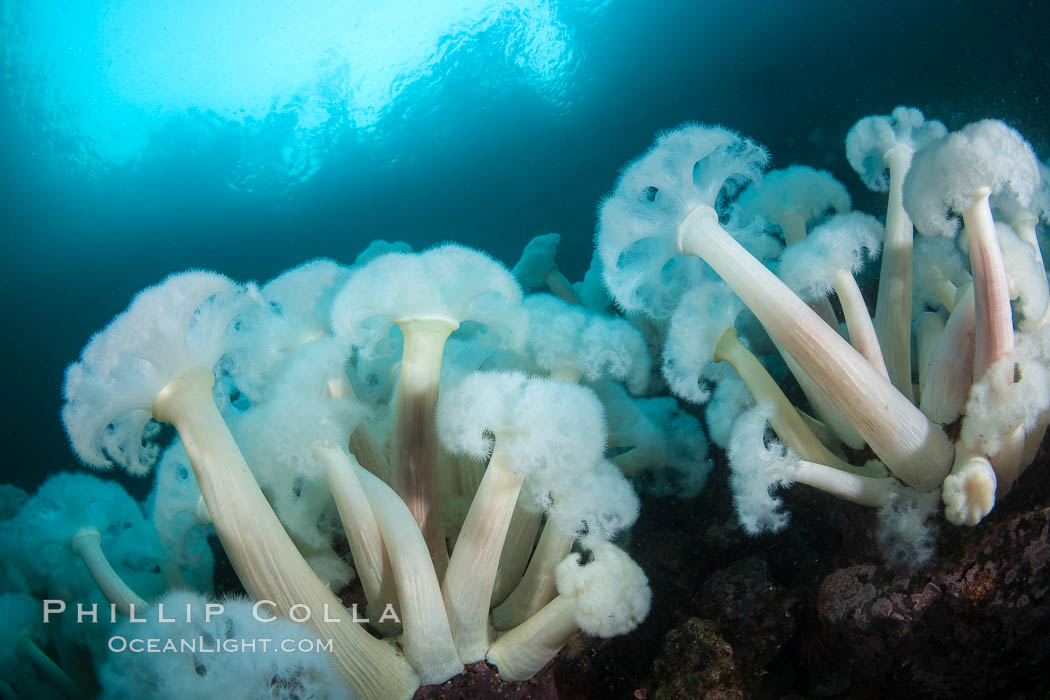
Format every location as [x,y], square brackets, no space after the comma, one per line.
[209,645]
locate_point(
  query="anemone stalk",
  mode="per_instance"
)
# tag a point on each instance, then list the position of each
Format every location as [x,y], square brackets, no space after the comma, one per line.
[912,447]
[414,448]
[51,671]
[468,584]
[260,550]
[87,544]
[893,303]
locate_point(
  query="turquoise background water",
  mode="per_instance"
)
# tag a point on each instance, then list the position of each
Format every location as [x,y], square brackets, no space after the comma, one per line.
[137,139]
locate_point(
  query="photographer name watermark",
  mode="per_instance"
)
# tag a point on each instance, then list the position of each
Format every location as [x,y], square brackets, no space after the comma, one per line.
[262,611]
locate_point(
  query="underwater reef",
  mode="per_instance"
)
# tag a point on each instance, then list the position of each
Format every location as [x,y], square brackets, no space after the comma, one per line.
[428,473]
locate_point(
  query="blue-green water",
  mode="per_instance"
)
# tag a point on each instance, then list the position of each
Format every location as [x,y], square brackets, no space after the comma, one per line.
[135,142]
[140,139]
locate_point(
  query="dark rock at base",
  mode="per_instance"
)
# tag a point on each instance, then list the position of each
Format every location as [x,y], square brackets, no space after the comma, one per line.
[697,662]
[973,622]
[481,681]
[757,614]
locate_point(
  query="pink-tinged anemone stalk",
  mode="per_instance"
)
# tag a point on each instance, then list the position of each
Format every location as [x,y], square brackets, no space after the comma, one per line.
[880,149]
[664,206]
[427,296]
[154,361]
[956,175]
